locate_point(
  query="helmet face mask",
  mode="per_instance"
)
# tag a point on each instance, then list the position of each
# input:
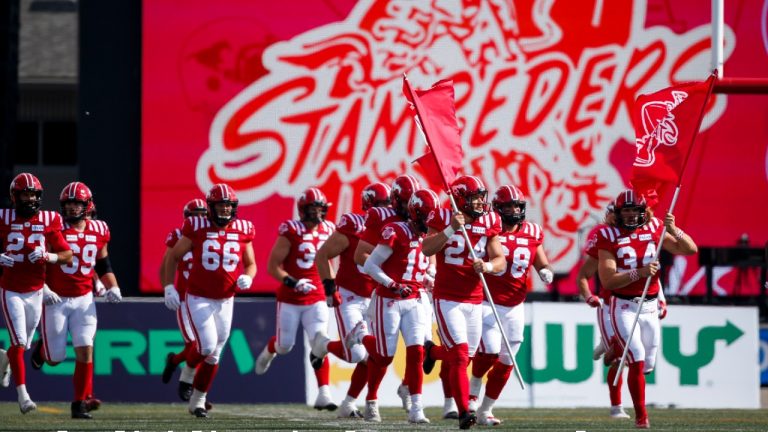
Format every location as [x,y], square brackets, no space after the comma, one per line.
[73,211]
[26,195]
[470,195]
[630,210]
[313,206]
[509,202]
[195,207]
[76,202]
[222,204]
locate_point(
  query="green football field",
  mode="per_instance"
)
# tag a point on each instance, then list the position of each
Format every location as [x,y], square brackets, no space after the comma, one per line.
[173,417]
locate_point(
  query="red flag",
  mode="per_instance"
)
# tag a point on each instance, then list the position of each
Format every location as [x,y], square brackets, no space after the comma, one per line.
[436,114]
[666,125]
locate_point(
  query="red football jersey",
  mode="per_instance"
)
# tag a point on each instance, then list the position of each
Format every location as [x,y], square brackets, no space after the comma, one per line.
[349,275]
[19,237]
[629,247]
[216,255]
[184,266]
[300,262]
[456,279]
[375,219]
[510,287]
[407,264]
[590,249]
[76,279]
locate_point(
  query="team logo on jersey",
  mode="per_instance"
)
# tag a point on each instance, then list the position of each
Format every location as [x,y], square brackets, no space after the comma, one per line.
[80,235]
[26,224]
[232,236]
[414,244]
[623,240]
[90,238]
[645,237]
[222,233]
[38,228]
[388,233]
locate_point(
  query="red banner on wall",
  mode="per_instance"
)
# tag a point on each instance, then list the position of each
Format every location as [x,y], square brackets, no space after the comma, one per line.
[273,100]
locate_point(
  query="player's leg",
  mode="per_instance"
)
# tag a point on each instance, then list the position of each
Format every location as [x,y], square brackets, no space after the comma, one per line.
[51,348]
[201,312]
[82,326]
[513,320]
[486,356]
[187,375]
[287,324]
[605,346]
[413,327]
[172,360]
[314,320]
[352,310]
[17,315]
[381,346]
[622,317]
[455,320]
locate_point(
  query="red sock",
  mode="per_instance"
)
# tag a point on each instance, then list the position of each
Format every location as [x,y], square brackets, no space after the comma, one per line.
[89,380]
[204,376]
[458,357]
[182,356]
[375,375]
[194,358]
[445,378]
[636,384]
[16,359]
[497,379]
[438,352]
[271,344]
[83,375]
[614,391]
[359,379]
[482,363]
[324,373]
[337,348]
[414,375]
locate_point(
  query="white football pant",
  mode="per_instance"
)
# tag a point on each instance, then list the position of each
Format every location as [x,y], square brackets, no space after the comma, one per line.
[352,310]
[22,313]
[313,317]
[211,321]
[391,316]
[76,315]
[645,342]
[513,320]
[182,320]
[459,323]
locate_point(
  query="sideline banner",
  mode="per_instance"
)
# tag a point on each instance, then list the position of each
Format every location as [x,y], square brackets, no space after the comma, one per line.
[133,339]
[708,359]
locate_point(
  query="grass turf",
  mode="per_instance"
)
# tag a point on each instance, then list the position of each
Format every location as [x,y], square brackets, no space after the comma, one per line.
[174,417]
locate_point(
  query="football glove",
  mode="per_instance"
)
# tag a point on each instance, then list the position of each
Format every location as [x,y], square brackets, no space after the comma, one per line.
[546,275]
[304,286]
[400,289]
[100,288]
[6,260]
[113,295]
[50,297]
[594,301]
[172,300]
[662,310]
[244,282]
[40,253]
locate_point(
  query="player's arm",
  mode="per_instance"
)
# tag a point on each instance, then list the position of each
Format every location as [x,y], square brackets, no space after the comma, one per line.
[541,264]
[162,263]
[435,240]
[496,263]
[60,248]
[586,272]
[103,268]
[333,247]
[172,258]
[675,240]
[612,279]
[280,251]
[362,252]
[249,261]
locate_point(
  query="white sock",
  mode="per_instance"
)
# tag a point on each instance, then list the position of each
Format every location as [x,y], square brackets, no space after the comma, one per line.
[449,405]
[325,390]
[487,404]
[349,400]
[475,384]
[187,374]
[197,400]
[21,390]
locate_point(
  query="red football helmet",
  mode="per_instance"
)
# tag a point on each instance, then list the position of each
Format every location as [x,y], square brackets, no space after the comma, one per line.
[402,188]
[26,182]
[635,217]
[221,193]
[465,189]
[376,195]
[504,197]
[76,192]
[313,197]
[195,207]
[421,204]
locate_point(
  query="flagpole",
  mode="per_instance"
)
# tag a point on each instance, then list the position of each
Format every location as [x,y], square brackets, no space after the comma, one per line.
[468,242]
[712,78]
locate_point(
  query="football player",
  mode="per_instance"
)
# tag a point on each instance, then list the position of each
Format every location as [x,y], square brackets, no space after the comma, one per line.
[348,292]
[402,188]
[398,265]
[292,262]
[68,296]
[30,238]
[626,257]
[522,244]
[175,301]
[222,263]
[458,292]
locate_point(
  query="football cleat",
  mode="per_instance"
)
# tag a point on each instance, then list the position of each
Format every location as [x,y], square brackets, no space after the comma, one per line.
[199,413]
[487,419]
[169,369]
[36,360]
[316,362]
[467,419]
[27,405]
[405,396]
[185,391]
[79,410]
[349,410]
[618,412]
[372,412]
[429,362]
[91,403]
[472,403]
[324,401]
[416,415]
[355,336]
[643,423]
[263,361]
[449,410]
[5,369]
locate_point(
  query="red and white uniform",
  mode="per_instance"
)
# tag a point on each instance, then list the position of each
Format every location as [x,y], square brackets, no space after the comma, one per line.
[632,250]
[183,269]
[509,288]
[76,313]
[375,219]
[20,285]
[355,286]
[458,291]
[216,256]
[391,313]
[293,306]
